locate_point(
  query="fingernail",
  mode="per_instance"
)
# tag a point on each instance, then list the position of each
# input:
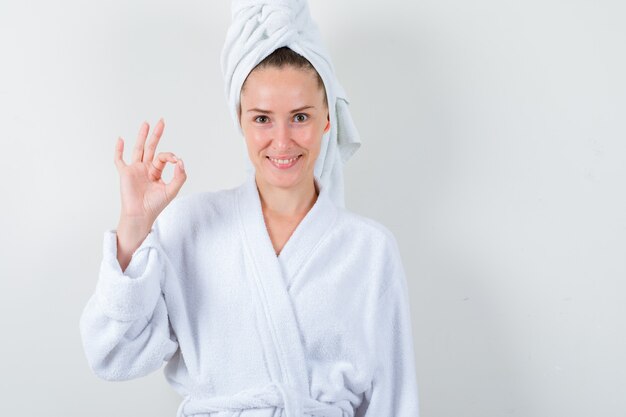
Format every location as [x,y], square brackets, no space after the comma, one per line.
[181,164]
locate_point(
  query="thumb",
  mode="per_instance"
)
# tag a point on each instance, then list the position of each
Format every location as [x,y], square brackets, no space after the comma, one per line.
[177,181]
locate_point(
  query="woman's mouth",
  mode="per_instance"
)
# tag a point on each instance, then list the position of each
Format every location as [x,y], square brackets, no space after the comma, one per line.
[284,163]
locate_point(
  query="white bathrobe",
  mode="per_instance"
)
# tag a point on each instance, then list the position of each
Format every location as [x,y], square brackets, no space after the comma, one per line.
[323,329]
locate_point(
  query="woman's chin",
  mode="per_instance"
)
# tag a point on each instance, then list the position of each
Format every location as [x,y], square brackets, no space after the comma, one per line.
[283,180]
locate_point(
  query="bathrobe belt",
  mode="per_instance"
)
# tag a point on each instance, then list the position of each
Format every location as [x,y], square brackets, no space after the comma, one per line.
[274,394]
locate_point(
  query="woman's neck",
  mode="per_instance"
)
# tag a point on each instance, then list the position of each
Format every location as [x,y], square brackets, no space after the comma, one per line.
[287,202]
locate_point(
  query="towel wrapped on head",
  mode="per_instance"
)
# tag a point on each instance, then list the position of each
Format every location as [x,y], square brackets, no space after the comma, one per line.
[258,28]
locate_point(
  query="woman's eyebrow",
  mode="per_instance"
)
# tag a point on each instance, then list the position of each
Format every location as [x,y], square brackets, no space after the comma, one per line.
[270,112]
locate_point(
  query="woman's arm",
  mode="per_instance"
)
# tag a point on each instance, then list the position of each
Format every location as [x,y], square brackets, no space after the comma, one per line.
[124,326]
[393,391]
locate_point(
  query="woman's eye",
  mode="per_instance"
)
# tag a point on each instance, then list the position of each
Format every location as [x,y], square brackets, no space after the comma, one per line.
[260,117]
[303,115]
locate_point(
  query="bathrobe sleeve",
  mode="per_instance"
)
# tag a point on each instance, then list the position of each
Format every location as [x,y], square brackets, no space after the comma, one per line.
[125,328]
[393,390]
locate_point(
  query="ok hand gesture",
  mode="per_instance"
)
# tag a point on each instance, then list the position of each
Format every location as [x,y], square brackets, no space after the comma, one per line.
[144,194]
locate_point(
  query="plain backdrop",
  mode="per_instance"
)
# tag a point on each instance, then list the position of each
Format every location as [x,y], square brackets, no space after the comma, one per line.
[494,148]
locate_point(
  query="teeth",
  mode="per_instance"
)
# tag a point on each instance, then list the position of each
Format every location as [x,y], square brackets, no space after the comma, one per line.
[284,161]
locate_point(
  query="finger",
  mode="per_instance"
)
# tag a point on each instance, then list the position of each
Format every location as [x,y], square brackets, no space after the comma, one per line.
[118,157]
[158,164]
[141,140]
[172,189]
[154,140]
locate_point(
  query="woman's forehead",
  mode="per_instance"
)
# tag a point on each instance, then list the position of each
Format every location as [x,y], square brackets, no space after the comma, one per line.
[279,76]
[287,88]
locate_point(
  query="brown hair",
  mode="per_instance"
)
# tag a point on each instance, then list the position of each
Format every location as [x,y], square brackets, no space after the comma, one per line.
[284,56]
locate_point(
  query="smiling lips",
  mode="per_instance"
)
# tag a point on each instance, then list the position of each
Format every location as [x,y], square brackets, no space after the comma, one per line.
[284,163]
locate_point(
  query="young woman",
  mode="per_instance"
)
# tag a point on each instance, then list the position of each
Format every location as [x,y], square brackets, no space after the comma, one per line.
[266,299]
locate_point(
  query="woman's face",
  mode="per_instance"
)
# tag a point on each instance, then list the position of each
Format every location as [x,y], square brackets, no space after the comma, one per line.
[283,116]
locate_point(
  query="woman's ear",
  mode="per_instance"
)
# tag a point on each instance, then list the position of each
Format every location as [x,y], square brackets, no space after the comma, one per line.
[327,124]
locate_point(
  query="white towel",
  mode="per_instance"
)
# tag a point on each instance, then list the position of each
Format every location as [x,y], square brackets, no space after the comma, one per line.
[258,28]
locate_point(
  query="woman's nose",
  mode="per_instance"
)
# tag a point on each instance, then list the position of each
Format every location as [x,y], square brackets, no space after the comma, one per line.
[282,135]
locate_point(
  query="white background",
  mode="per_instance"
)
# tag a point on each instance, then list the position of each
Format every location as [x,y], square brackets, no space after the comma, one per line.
[494,147]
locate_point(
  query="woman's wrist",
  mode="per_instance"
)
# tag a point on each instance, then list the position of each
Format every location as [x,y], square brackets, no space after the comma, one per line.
[130,234]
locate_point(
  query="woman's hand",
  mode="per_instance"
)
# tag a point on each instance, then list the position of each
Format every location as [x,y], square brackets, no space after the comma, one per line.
[144,194]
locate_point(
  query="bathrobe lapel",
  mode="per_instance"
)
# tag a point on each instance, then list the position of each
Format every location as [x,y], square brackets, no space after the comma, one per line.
[271,278]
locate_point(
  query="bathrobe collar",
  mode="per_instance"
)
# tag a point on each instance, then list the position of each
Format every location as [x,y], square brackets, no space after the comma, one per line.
[303,239]
[272,280]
